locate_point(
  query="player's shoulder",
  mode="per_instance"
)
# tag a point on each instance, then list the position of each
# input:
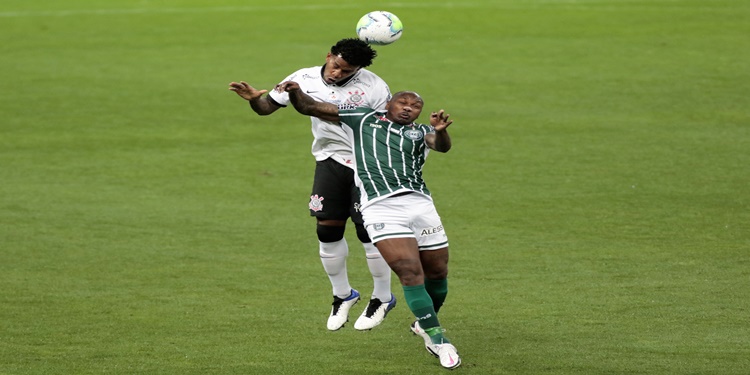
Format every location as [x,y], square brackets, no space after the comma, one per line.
[369,77]
[310,74]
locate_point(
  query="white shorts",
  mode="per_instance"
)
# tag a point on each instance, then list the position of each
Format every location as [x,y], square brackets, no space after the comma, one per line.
[410,215]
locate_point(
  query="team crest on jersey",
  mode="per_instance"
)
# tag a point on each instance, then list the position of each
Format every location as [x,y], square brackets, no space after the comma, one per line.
[356,98]
[378,226]
[414,134]
[316,203]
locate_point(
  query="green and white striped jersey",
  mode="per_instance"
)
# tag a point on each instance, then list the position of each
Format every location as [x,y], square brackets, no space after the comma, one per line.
[388,157]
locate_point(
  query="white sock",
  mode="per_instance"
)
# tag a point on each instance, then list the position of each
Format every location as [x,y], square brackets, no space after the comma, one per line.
[333,256]
[381,273]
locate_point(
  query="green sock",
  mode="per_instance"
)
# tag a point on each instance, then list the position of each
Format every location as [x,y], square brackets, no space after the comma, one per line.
[438,290]
[436,335]
[420,304]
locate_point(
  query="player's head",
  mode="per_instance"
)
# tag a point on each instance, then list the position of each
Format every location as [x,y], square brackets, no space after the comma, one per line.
[346,57]
[404,107]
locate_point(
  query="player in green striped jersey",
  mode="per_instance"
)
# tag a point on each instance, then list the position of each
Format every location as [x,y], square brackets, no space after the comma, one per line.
[390,150]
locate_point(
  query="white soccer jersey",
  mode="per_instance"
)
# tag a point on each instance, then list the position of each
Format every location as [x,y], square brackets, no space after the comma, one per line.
[363,89]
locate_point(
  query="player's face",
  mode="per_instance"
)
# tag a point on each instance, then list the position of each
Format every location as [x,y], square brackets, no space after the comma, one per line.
[404,108]
[337,69]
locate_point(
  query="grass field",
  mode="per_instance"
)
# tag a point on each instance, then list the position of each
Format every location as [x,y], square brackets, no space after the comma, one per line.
[597,197]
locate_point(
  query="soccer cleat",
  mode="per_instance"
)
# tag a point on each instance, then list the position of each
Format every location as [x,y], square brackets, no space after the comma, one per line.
[448,355]
[374,314]
[340,310]
[417,330]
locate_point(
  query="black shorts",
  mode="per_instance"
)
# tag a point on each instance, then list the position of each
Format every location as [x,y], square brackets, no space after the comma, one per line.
[334,194]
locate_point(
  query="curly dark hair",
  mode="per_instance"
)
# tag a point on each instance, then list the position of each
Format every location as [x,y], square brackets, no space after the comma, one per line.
[354,51]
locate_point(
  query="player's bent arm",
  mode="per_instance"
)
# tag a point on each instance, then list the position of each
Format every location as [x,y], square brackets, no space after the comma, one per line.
[306,105]
[263,105]
[439,141]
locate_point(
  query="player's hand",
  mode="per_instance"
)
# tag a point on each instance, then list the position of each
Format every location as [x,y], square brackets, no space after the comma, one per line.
[246,91]
[439,120]
[287,86]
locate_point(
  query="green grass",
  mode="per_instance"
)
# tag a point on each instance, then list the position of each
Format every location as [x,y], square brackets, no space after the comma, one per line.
[596,197]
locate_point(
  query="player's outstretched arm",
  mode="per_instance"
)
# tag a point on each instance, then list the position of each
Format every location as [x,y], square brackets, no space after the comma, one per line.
[259,103]
[306,105]
[440,140]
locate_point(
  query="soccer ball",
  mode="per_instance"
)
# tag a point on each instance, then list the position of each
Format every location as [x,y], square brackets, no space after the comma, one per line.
[379,27]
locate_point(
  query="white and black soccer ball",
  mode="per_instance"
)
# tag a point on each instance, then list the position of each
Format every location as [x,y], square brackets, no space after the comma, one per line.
[379,27]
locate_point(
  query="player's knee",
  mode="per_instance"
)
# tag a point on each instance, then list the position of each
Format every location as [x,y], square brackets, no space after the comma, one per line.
[362,233]
[436,274]
[408,271]
[329,233]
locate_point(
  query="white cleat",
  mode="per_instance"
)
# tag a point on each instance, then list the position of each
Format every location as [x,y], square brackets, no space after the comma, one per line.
[374,314]
[417,330]
[340,310]
[448,355]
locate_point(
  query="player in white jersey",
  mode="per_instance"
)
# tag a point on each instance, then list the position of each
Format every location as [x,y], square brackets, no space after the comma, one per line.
[390,150]
[334,197]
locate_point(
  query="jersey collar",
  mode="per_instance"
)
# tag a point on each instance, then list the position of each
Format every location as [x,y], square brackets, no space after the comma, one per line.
[381,117]
[339,84]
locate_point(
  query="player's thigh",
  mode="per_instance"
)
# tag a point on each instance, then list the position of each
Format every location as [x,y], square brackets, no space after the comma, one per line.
[426,223]
[399,250]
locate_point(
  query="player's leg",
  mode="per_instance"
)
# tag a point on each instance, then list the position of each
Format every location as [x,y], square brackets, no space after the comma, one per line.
[433,246]
[402,255]
[389,223]
[382,300]
[331,213]
[433,252]
[435,265]
[333,252]
[381,273]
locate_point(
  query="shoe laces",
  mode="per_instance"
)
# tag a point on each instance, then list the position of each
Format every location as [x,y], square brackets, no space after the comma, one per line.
[373,306]
[337,304]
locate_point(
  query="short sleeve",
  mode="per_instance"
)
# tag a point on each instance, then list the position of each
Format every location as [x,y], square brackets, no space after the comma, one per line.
[381,95]
[282,98]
